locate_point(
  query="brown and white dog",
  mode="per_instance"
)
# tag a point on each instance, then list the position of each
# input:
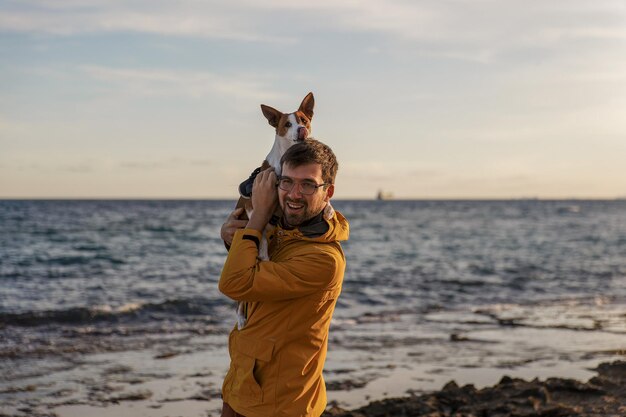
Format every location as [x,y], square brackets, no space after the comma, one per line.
[290,129]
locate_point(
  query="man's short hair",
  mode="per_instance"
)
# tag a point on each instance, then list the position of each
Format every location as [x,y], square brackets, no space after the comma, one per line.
[312,151]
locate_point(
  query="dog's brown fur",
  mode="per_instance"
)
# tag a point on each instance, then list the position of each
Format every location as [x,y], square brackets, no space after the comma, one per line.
[280,121]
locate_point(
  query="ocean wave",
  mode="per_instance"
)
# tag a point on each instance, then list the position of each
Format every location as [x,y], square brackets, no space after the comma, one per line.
[105,313]
[78,260]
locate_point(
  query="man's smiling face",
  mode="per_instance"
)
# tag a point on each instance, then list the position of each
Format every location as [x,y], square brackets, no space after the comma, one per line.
[297,207]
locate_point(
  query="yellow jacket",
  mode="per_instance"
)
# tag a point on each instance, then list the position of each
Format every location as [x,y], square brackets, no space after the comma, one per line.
[277,358]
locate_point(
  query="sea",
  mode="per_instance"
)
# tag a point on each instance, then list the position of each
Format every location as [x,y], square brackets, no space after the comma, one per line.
[111,302]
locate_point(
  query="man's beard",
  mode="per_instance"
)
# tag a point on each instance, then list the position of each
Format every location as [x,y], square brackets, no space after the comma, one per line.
[297,211]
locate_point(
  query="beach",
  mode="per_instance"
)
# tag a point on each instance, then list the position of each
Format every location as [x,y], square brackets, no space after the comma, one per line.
[120,391]
[111,308]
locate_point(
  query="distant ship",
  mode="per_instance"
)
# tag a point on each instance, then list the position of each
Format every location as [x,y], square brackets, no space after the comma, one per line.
[384,195]
[573,209]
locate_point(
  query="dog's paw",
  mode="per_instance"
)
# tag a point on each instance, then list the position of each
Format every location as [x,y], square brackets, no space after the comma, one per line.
[329,212]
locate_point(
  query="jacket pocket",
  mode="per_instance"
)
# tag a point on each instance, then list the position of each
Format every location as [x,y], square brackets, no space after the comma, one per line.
[251,359]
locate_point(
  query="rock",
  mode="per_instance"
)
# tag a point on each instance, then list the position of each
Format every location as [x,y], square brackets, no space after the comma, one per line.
[604,395]
[166,355]
[13,390]
[455,337]
[130,396]
[450,386]
[345,385]
[117,369]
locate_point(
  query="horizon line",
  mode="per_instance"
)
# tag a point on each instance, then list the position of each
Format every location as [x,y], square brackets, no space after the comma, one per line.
[570,198]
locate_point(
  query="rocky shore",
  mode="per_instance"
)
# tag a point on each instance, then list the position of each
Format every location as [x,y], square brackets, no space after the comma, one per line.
[603,395]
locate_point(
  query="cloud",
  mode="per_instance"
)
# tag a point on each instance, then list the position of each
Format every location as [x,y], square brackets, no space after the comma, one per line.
[379,172]
[479,32]
[164,164]
[196,84]
[41,167]
[87,166]
[190,18]
[77,169]
[455,26]
[482,33]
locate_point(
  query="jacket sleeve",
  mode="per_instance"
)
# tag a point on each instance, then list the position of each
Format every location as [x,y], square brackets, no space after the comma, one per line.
[245,278]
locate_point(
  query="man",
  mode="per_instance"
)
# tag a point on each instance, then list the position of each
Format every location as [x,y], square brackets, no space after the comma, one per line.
[278,356]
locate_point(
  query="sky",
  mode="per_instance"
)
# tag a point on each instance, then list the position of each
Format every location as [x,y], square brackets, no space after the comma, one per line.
[422,99]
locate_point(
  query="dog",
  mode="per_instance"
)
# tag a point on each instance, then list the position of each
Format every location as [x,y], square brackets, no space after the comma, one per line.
[290,129]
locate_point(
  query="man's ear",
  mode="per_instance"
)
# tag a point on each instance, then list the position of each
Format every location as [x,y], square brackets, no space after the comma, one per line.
[271,114]
[307,105]
[329,192]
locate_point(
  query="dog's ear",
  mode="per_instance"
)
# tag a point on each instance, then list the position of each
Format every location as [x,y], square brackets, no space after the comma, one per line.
[271,114]
[307,105]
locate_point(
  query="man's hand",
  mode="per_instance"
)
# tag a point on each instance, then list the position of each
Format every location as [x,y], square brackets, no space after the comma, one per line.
[231,225]
[264,199]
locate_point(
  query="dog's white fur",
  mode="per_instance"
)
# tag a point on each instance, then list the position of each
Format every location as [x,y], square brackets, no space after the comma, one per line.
[282,143]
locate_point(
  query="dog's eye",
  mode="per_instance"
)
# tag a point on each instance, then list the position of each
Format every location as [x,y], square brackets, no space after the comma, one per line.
[288,124]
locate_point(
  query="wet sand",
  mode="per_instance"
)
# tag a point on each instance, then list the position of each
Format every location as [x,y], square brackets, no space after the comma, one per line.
[371,357]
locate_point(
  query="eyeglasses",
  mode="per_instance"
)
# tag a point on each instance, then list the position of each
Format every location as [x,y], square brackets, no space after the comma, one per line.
[306,187]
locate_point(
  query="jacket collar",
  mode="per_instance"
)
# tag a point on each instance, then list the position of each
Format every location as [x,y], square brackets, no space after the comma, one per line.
[312,228]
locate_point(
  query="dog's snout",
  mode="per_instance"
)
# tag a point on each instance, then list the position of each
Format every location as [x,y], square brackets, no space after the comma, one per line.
[303,133]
